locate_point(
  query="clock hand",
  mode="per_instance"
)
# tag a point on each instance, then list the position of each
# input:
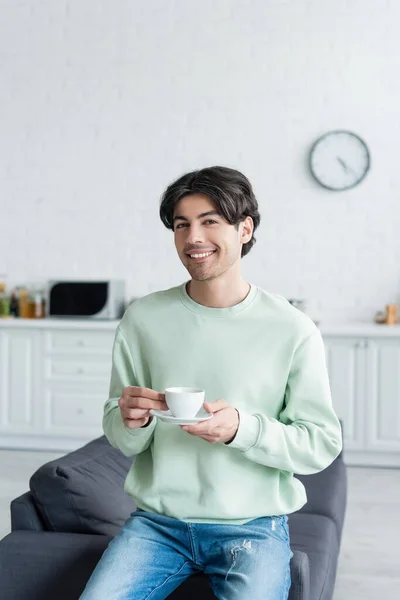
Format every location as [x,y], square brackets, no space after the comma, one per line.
[345,167]
[343,164]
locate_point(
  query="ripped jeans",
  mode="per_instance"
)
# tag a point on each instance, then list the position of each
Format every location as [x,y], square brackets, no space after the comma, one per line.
[152,555]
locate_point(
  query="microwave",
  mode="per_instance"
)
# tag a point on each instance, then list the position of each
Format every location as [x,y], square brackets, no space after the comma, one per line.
[86,299]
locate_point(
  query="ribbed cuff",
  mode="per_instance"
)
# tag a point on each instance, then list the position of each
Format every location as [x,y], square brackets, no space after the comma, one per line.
[247,434]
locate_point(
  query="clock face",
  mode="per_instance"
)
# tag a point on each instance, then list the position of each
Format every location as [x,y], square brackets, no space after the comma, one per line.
[339,160]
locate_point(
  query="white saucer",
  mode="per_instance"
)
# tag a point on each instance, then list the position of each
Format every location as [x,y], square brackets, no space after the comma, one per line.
[166,417]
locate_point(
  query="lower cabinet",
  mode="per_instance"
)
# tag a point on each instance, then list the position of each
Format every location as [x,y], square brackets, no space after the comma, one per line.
[53,386]
[365,383]
[54,382]
[383,384]
[20,365]
[68,411]
[346,366]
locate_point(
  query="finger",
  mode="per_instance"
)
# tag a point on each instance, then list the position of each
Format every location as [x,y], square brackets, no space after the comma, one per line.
[136,413]
[144,403]
[208,438]
[199,429]
[213,407]
[143,392]
[135,423]
[206,426]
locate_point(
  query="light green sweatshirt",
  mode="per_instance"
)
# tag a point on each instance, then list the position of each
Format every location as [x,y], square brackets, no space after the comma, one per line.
[262,356]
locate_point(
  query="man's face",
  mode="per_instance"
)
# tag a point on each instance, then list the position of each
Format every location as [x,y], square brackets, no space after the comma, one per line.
[206,243]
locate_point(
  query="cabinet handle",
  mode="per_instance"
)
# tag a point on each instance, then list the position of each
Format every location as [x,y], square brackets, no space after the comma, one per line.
[81,371]
[363,344]
[81,343]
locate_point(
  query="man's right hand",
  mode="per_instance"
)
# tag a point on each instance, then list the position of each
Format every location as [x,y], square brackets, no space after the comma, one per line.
[135,404]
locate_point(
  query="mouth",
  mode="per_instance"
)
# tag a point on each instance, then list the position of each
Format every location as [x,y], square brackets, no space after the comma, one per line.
[200,256]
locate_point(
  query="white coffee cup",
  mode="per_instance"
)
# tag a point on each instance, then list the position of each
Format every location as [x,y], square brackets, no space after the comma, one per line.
[184,402]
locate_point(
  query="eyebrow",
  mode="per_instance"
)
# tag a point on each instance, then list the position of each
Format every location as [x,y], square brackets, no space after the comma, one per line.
[201,216]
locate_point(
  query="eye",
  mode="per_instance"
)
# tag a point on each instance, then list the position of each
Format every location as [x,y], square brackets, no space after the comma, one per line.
[180,225]
[210,222]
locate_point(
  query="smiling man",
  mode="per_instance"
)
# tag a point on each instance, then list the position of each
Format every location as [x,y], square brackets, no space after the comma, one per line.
[214,496]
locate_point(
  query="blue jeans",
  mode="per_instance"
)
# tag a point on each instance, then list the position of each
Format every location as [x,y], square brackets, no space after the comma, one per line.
[152,555]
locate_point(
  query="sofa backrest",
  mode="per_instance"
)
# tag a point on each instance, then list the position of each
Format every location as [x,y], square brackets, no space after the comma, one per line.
[83,491]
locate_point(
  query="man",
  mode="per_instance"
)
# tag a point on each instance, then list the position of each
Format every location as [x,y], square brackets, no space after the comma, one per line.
[214,496]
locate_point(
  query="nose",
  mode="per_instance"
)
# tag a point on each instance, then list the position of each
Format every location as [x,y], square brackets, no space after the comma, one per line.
[194,234]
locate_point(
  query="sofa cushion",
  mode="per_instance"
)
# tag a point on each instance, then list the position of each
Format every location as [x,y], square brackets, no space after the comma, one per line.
[316,536]
[83,492]
[41,565]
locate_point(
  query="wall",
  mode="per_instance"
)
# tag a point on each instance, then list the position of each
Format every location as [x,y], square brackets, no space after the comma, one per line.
[104,103]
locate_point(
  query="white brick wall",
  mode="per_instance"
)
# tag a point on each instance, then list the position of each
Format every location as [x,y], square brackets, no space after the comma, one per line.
[103,103]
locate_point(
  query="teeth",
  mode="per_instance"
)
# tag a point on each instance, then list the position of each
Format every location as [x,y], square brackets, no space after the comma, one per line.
[201,255]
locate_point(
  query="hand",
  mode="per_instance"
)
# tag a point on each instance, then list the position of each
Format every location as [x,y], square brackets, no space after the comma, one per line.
[135,404]
[222,428]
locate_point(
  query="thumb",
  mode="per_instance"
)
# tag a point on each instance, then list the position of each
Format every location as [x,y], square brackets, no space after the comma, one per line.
[213,407]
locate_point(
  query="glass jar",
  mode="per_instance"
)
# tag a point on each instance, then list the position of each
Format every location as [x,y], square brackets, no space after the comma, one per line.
[4,301]
[24,306]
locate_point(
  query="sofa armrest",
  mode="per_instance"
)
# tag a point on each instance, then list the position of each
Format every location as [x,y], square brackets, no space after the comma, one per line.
[45,565]
[24,515]
[327,493]
[300,575]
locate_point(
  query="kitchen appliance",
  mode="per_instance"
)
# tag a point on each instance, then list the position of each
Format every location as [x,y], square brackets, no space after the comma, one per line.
[86,299]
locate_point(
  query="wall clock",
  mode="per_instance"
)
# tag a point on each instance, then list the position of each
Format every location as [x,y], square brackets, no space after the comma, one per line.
[339,160]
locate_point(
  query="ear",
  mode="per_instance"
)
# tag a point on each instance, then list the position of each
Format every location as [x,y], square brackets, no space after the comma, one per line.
[247,227]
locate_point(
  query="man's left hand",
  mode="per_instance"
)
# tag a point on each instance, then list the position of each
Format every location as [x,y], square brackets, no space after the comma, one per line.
[222,428]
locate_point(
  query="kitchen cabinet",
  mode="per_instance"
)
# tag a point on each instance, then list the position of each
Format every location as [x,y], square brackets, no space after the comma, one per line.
[364,376]
[346,362]
[20,353]
[54,379]
[383,381]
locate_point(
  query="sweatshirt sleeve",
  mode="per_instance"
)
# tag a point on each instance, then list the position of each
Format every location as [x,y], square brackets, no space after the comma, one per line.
[129,441]
[307,436]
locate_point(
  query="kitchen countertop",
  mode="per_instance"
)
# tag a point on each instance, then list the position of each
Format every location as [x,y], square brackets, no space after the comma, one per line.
[358,329]
[60,323]
[327,328]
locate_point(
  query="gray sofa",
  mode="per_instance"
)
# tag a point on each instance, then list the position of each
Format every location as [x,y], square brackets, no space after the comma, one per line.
[76,504]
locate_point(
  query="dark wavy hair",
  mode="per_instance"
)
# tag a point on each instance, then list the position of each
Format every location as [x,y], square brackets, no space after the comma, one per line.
[228,189]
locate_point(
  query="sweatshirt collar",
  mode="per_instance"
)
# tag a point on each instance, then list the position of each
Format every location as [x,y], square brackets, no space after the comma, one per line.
[207,311]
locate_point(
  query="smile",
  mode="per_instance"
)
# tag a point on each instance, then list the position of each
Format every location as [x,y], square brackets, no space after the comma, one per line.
[201,255]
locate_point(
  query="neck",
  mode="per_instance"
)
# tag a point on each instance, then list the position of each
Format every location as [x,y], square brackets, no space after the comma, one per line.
[219,292]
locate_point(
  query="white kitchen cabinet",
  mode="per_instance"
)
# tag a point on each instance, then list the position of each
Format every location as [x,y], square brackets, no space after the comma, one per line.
[364,375]
[20,362]
[54,379]
[346,361]
[76,376]
[383,382]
